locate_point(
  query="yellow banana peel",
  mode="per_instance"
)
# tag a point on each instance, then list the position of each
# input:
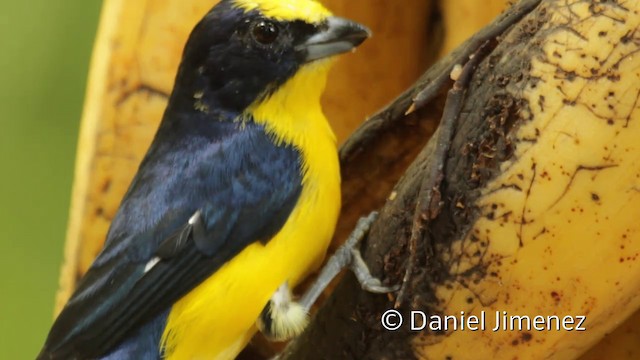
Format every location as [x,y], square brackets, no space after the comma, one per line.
[558,234]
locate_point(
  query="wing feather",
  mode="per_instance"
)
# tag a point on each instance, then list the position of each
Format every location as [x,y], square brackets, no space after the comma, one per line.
[243,185]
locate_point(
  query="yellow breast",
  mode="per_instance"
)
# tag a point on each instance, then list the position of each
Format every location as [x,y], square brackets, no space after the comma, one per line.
[216,319]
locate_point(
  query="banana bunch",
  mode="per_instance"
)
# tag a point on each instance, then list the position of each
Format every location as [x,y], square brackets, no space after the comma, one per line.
[556,242]
[551,263]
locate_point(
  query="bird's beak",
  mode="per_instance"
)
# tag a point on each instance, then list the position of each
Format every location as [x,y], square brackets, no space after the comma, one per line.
[337,36]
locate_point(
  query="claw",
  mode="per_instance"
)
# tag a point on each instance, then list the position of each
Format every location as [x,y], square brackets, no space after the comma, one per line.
[348,255]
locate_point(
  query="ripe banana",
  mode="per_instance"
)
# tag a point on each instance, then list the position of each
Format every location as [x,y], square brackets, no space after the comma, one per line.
[557,232]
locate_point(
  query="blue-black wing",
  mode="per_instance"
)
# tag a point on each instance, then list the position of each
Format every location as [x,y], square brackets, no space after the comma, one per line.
[243,188]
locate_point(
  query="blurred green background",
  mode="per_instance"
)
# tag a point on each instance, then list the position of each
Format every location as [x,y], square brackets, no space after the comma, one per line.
[45,47]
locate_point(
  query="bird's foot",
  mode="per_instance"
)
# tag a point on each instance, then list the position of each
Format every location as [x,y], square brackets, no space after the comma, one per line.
[348,255]
[282,318]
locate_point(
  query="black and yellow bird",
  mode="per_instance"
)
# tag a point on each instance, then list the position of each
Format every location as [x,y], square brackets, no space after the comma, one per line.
[236,199]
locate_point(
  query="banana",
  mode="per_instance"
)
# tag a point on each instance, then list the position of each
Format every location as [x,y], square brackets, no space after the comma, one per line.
[556,233]
[621,343]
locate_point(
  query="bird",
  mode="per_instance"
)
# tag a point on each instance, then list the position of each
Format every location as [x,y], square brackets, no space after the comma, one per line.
[234,203]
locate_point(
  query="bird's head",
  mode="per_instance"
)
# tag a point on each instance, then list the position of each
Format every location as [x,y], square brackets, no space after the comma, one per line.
[243,51]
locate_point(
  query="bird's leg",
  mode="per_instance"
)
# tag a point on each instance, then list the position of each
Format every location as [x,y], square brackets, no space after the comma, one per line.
[282,318]
[347,255]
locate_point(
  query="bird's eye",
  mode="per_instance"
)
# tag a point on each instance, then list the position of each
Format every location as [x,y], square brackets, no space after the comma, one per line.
[265,32]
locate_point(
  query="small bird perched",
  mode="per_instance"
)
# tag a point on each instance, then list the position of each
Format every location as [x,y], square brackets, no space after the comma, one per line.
[235,201]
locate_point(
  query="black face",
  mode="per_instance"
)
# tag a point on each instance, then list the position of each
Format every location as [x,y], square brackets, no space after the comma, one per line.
[234,57]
